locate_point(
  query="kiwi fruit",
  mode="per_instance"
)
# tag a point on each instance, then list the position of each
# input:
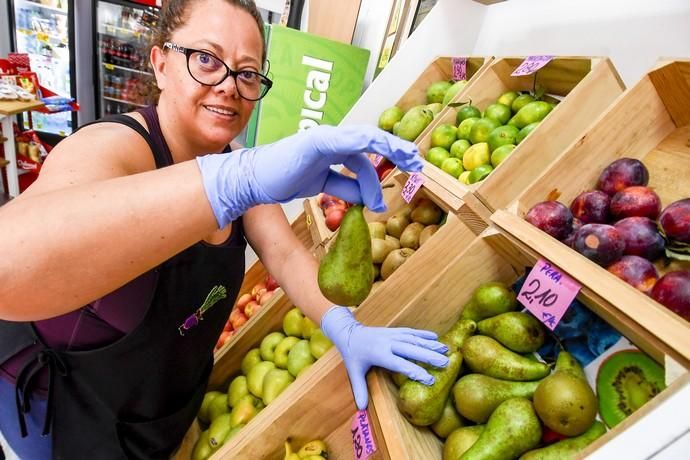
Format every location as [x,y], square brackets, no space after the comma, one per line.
[410,236]
[394,241]
[394,260]
[377,230]
[427,233]
[626,381]
[396,224]
[380,249]
[426,212]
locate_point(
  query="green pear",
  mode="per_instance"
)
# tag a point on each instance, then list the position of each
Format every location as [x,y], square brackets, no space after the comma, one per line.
[435,107]
[237,390]
[243,412]
[512,430]
[485,355]
[399,379]
[202,449]
[308,327]
[304,370]
[252,358]
[414,122]
[275,382]
[568,363]
[206,404]
[233,431]
[218,406]
[489,299]
[255,378]
[477,396]
[280,357]
[299,357]
[218,430]
[319,344]
[269,344]
[460,440]
[517,331]
[390,117]
[453,90]
[436,91]
[567,448]
[423,404]
[292,323]
[346,272]
[531,113]
[450,420]
[456,335]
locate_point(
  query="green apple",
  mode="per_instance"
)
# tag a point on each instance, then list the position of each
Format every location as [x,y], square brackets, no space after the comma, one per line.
[252,358]
[255,379]
[452,166]
[459,147]
[319,344]
[275,381]
[282,350]
[308,327]
[237,390]
[436,155]
[299,357]
[269,344]
[292,322]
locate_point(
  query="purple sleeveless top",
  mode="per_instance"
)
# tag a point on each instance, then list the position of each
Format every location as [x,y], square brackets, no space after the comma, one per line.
[105,320]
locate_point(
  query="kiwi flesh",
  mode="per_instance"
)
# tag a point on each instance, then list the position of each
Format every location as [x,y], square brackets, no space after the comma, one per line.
[626,381]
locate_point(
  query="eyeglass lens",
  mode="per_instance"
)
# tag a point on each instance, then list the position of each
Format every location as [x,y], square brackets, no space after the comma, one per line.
[209,70]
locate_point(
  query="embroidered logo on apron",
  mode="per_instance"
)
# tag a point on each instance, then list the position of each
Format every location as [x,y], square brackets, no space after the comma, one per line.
[217,293]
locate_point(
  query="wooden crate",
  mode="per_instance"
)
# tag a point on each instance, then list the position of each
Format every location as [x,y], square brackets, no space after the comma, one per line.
[587,85]
[650,122]
[490,257]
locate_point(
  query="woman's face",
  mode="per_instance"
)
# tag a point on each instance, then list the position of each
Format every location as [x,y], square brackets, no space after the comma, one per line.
[211,115]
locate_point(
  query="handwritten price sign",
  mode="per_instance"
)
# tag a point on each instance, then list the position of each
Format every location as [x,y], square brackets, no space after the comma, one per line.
[363,442]
[531,65]
[547,293]
[411,186]
[459,69]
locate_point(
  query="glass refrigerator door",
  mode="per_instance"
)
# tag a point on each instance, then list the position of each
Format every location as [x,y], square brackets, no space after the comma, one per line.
[42,31]
[124,33]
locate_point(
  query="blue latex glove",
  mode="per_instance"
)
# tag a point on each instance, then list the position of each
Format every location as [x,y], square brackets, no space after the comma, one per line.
[300,166]
[390,348]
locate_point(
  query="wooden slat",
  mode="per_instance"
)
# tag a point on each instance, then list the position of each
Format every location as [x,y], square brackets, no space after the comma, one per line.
[14,107]
[333,20]
[672,85]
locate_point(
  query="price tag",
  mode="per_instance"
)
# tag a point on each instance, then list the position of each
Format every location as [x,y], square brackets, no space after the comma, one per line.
[109,66]
[531,65]
[363,443]
[411,186]
[376,160]
[459,69]
[548,292]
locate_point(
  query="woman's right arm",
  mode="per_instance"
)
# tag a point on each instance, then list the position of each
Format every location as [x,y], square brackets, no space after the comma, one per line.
[96,218]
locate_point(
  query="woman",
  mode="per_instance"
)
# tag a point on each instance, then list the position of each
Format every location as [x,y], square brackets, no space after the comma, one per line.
[146,214]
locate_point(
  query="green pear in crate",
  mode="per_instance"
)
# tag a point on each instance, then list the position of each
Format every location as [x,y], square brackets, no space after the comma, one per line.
[460,441]
[486,356]
[489,299]
[518,331]
[567,448]
[476,396]
[450,420]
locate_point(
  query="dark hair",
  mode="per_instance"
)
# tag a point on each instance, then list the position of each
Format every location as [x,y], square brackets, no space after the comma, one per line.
[174,14]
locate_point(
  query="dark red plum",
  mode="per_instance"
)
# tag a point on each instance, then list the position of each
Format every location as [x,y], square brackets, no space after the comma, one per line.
[636,271]
[600,243]
[641,237]
[673,291]
[635,201]
[551,217]
[570,239]
[591,207]
[675,220]
[621,174]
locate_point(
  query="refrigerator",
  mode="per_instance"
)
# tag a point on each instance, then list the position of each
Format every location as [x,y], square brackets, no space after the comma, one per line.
[45,30]
[122,33]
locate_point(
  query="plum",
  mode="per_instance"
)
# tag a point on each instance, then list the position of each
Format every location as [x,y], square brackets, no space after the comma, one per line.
[551,217]
[570,239]
[600,243]
[621,174]
[591,207]
[635,201]
[673,291]
[636,271]
[675,221]
[641,237]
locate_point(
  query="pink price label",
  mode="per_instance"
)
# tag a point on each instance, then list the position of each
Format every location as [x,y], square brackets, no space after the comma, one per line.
[363,442]
[377,160]
[411,186]
[548,292]
[459,69]
[531,65]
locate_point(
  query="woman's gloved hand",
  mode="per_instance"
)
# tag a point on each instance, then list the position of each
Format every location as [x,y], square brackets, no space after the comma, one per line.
[299,166]
[390,348]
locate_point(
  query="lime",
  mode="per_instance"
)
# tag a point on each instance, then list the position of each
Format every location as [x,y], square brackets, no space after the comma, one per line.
[476,155]
[390,117]
[501,136]
[436,91]
[436,155]
[464,177]
[507,98]
[459,147]
[465,127]
[443,136]
[481,129]
[479,173]
[500,154]
[524,132]
[465,112]
[452,166]
[499,112]
[521,101]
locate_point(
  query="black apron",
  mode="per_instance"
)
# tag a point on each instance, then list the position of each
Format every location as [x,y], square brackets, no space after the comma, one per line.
[137,397]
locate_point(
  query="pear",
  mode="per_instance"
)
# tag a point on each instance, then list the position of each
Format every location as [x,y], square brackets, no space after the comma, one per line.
[520,332]
[450,420]
[280,358]
[423,404]
[453,90]
[237,390]
[252,358]
[202,449]
[292,323]
[269,344]
[399,379]
[533,112]
[346,272]
[460,440]
[512,430]
[489,299]
[275,381]
[414,122]
[233,431]
[458,333]
[390,117]
[206,404]
[308,328]
[477,396]
[219,430]
[299,357]
[255,378]
[217,407]
[244,411]
[568,363]
[486,356]
[319,344]
[567,448]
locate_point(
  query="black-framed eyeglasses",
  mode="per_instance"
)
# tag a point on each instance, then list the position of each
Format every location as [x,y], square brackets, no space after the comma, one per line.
[210,70]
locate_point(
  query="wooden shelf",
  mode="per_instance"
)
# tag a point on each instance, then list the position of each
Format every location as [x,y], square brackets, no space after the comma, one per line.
[14,107]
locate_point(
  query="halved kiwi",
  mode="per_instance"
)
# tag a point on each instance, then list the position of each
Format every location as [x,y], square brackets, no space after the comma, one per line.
[626,381]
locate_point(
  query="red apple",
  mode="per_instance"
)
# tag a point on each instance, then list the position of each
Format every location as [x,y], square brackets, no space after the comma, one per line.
[221,339]
[271,283]
[251,308]
[260,293]
[244,300]
[265,297]
[228,326]
[333,219]
[229,337]
[334,207]
[237,318]
[259,286]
